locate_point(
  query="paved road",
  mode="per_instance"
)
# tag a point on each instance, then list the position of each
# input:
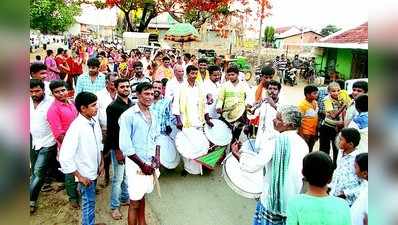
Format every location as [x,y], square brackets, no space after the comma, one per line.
[206,200]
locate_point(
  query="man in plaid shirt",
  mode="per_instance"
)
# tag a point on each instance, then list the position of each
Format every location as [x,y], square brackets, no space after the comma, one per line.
[92,82]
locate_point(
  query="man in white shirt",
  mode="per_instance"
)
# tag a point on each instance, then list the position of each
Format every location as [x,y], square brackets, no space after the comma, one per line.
[282,158]
[81,153]
[106,97]
[43,143]
[146,61]
[175,84]
[211,89]
[267,113]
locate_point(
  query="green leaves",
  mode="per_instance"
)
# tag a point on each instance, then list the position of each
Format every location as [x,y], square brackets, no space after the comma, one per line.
[52,16]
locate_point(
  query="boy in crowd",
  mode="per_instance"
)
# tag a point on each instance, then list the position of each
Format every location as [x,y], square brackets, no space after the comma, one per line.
[358,88]
[81,153]
[309,109]
[345,183]
[360,121]
[359,210]
[316,206]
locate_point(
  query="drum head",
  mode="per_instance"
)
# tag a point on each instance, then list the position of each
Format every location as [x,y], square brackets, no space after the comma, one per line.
[248,185]
[219,134]
[169,156]
[192,143]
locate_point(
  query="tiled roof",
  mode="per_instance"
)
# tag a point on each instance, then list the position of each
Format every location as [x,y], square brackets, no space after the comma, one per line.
[356,35]
[280,30]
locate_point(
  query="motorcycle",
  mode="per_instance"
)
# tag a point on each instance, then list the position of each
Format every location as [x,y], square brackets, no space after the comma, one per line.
[290,77]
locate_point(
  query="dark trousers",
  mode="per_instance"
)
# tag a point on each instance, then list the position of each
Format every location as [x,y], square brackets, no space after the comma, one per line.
[39,160]
[310,140]
[328,134]
[71,187]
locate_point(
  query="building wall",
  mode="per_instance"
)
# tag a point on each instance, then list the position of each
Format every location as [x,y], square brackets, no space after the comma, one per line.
[292,42]
[343,63]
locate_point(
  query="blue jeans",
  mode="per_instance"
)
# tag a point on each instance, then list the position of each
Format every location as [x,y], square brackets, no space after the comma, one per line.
[119,191]
[88,203]
[39,160]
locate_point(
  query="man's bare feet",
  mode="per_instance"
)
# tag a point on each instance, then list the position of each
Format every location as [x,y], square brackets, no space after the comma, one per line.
[116,215]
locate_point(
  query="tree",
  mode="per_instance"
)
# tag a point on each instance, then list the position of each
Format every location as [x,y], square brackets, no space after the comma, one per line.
[269,34]
[329,29]
[196,12]
[52,16]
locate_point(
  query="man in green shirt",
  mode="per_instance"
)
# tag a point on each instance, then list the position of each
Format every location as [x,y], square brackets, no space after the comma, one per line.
[316,206]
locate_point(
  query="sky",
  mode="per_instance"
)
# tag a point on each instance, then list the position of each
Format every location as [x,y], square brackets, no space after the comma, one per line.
[316,13]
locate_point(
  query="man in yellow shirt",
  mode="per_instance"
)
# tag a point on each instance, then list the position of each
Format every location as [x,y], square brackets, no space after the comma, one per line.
[203,73]
[309,110]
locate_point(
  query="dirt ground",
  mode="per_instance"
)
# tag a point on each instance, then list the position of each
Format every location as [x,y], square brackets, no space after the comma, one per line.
[54,209]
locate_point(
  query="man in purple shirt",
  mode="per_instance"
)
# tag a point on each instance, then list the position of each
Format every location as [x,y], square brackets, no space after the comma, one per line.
[60,115]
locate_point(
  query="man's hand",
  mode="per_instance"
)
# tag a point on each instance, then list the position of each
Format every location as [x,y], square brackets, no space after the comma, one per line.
[168,130]
[147,169]
[84,180]
[219,111]
[179,124]
[209,123]
[119,156]
[235,149]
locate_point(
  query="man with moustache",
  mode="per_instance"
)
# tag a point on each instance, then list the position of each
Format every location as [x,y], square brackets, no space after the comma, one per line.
[138,78]
[162,109]
[119,192]
[189,110]
[43,143]
[92,82]
[268,111]
[60,115]
[137,139]
[203,74]
[211,88]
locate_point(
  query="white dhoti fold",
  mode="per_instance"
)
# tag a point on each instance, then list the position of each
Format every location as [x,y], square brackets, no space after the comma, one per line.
[138,184]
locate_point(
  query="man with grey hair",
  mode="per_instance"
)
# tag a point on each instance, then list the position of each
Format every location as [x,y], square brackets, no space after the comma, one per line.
[282,158]
[174,85]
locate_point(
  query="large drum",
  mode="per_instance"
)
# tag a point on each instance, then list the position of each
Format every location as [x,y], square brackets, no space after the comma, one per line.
[192,143]
[248,185]
[169,156]
[219,134]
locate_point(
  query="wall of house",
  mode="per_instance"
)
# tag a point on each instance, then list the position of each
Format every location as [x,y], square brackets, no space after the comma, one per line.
[292,43]
[343,63]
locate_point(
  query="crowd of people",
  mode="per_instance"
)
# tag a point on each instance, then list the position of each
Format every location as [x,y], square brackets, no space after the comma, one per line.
[85,120]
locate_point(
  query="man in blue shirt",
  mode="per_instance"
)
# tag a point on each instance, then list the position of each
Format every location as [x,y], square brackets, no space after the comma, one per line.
[137,138]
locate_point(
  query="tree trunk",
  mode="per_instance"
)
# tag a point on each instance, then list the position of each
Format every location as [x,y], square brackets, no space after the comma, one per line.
[130,27]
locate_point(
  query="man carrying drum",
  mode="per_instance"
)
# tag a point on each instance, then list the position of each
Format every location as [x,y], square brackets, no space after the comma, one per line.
[232,100]
[282,158]
[189,110]
[211,89]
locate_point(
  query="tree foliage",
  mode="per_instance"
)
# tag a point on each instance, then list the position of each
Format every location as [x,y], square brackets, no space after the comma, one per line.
[269,34]
[329,29]
[52,16]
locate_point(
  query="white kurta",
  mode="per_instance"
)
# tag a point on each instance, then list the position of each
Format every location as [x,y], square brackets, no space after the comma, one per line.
[104,99]
[211,90]
[264,159]
[266,129]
